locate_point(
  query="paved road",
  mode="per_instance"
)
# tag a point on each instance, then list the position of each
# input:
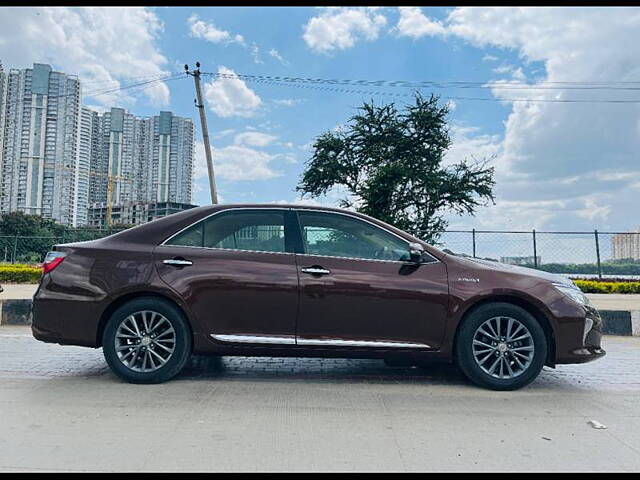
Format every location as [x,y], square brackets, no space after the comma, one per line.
[601,301]
[61,409]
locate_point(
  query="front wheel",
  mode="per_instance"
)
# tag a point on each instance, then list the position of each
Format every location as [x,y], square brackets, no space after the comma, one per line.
[147,340]
[501,346]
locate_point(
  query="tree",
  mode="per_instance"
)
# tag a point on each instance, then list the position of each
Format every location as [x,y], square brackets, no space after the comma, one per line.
[391,164]
[18,223]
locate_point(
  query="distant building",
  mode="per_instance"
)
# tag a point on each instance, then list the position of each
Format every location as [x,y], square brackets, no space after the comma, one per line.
[149,159]
[39,154]
[133,213]
[522,260]
[56,157]
[626,246]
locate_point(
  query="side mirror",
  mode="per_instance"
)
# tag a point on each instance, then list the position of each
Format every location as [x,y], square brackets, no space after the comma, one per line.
[416,251]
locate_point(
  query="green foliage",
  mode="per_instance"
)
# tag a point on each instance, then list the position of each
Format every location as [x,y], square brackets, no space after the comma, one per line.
[19,273]
[18,223]
[608,268]
[28,238]
[592,286]
[390,163]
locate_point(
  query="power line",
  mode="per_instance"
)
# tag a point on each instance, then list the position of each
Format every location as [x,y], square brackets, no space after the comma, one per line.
[329,85]
[542,85]
[143,85]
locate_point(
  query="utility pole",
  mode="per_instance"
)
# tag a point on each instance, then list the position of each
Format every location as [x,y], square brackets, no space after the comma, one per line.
[205,132]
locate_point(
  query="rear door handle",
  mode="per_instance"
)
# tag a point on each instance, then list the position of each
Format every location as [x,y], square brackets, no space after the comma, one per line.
[178,262]
[315,270]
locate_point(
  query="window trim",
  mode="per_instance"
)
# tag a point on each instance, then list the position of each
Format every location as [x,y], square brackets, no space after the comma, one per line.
[202,220]
[298,242]
[355,217]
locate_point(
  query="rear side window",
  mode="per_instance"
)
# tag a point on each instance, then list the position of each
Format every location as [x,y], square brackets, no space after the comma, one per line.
[191,237]
[256,230]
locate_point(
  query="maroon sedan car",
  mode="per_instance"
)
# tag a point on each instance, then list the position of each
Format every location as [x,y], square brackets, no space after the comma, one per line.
[268,280]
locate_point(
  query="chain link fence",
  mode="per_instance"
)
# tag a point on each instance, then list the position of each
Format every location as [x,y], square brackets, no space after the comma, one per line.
[579,254]
[33,249]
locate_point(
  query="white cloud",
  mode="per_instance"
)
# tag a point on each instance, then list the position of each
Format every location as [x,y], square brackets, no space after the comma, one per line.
[339,28]
[287,102]
[413,23]
[275,54]
[236,163]
[564,165]
[209,32]
[229,96]
[89,42]
[255,53]
[254,139]
[468,144]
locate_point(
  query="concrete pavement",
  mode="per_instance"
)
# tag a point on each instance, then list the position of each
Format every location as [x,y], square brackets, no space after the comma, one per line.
[61,409]
[18,291]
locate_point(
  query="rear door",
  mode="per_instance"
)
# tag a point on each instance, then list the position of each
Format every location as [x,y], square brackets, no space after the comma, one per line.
[357,287]
[238,275]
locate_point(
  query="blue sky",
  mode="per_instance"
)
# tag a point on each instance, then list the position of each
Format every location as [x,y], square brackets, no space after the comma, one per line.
[558,166]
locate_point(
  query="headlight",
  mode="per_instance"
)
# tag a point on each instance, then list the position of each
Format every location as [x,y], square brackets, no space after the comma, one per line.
[574,293]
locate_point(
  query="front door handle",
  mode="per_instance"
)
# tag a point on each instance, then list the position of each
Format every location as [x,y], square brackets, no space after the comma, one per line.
[315,270]
[178,262]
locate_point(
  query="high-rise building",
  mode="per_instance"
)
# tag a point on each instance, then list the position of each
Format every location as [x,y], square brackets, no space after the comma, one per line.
[59,159]
[39,155]
[148,159]
[88,148]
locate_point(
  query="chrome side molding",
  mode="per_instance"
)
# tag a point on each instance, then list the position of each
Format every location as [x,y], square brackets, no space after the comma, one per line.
[359,343]
[269,339]
[275,340]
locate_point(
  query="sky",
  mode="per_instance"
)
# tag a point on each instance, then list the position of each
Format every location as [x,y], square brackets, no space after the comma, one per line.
[559,166]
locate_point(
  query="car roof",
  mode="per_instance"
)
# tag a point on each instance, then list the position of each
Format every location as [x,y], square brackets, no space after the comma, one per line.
[162,228]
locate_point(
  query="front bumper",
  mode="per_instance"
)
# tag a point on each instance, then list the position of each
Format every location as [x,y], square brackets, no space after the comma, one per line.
[573,349]
[586,354]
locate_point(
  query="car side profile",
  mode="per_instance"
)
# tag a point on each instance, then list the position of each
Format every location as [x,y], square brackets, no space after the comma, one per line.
[302,281]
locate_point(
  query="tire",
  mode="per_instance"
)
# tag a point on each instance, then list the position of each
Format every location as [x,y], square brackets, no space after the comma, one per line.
[133,362]
[476,359]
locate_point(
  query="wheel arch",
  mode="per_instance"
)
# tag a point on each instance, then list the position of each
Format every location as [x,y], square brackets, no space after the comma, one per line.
[123,299]
[531,308]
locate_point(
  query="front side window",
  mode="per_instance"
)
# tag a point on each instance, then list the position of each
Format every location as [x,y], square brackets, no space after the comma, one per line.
[337,235]
[261,231]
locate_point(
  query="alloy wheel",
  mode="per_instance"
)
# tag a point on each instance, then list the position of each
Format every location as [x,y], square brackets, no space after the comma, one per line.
[145,341]
[503,347]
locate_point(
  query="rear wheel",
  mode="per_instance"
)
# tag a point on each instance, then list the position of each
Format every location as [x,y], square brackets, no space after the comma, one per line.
[501,346]
[147,340]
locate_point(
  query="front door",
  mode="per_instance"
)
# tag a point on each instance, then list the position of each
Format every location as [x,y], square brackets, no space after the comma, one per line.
[237,274]
[359,289]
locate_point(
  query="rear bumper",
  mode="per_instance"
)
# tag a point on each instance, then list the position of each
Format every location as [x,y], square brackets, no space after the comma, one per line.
[44,335]
[63,318]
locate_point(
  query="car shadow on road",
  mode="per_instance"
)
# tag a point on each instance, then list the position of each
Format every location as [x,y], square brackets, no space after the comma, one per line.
[318,370]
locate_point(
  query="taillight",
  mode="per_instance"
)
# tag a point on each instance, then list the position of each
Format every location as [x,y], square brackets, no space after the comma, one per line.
[52,260]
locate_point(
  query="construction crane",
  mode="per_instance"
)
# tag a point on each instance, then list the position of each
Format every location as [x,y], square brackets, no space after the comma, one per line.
[110,187]
[111,180]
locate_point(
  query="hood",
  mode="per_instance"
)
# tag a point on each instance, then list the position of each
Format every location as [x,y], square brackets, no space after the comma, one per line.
[505,267]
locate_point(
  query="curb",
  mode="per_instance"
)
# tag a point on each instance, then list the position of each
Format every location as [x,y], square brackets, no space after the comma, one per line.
[615,322]
[15,312]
